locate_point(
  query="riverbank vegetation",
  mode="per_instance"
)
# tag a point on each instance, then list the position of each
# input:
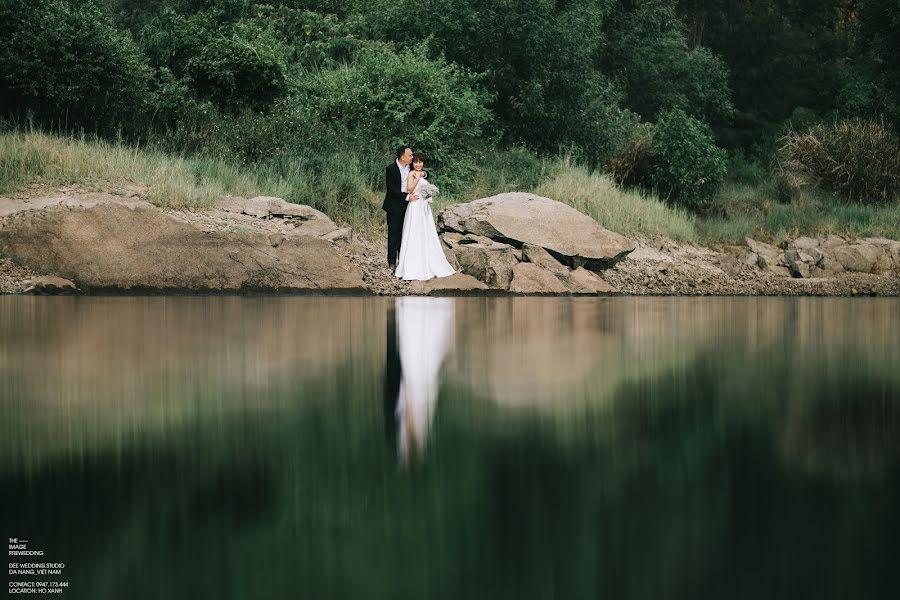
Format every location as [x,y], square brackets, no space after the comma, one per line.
[656,116]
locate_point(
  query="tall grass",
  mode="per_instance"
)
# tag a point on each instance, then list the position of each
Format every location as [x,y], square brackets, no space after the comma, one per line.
[347,184]
[26,157]
[336,185]
[624,211]
[741,211]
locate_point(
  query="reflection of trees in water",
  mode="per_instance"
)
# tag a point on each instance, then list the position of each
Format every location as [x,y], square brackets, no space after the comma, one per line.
[646,500]
[848,426]
[680,483]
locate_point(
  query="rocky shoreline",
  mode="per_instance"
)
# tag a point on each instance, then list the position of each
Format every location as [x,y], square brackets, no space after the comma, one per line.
[72,241]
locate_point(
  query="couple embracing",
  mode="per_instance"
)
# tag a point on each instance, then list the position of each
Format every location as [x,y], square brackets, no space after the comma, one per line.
[414,250]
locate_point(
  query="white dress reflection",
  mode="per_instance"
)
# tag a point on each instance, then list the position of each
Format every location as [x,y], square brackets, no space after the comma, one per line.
[424,335]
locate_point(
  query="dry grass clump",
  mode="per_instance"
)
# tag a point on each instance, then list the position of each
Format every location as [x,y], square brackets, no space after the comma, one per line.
[859,160]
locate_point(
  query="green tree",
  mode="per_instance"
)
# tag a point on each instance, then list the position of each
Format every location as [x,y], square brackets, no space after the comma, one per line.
[389,98]
[65,61]
[233,63]
[647,51]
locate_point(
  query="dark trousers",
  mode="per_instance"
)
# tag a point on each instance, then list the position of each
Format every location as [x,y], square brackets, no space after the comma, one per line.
[395,233]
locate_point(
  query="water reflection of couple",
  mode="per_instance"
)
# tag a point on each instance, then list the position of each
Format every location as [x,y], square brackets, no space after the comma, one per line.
[420,331]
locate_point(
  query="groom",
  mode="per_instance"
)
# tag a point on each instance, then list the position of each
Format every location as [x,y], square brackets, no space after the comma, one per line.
[395,199]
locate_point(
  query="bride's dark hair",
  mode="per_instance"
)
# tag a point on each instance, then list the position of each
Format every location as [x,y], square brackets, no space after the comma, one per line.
[418,157]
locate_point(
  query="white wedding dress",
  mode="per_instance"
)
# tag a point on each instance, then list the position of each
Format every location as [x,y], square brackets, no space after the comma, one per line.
[421,255]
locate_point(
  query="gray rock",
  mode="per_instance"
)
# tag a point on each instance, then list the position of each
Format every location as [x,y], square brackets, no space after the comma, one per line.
[816,272]
[752,259]
[584,281]
[308,220]
[780,271]
[767,261]
[451,258]
[540,257]
[761,248]
[528,278]
[830,265]
[804,243]
[50,285]
[486,260]
[800,269]
[345,234]
[832,241]
[573,238]
[856,257]
[767,256]
[458,282]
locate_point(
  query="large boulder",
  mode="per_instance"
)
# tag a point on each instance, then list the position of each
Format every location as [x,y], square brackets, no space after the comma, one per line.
[484,259]
[113,246]
[856,257]
[529,278]
[517,218]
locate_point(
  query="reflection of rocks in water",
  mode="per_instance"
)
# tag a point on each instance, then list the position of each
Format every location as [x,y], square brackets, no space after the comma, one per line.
[122,346]
[561,353]
[84,370]
[845,428]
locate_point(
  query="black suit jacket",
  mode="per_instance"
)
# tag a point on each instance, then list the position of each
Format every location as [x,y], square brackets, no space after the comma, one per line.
[394,198]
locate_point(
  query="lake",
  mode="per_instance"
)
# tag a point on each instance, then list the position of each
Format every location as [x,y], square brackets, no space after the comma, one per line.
[252,447]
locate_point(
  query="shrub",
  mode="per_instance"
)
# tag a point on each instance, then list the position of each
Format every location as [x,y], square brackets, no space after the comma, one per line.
[743,169]
[65,61]
[440,111]
[630,165]
[860,160]
[686,167]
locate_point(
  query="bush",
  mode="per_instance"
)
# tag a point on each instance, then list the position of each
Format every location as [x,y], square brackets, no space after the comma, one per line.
[686,167]
[387,98]
[860,160]
[743,169]
[630,165]
[65,61]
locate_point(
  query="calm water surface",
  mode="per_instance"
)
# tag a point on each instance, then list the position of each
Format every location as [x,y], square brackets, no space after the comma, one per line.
[455,448]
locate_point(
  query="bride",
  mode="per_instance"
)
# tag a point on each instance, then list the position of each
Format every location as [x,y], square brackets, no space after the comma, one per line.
[421,255]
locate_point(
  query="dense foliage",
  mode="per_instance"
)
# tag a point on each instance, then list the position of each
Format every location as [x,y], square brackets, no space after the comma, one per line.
[685,165]
[298,85]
